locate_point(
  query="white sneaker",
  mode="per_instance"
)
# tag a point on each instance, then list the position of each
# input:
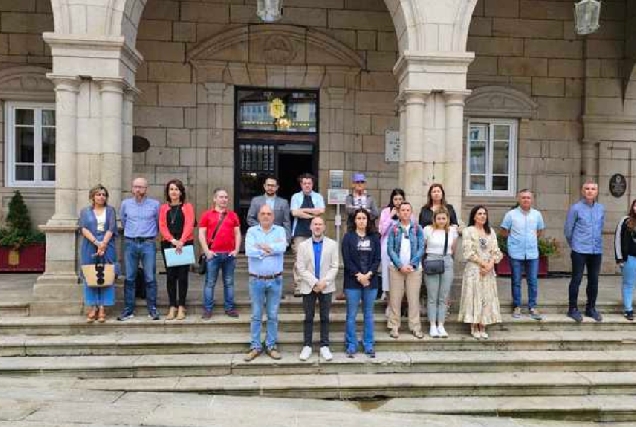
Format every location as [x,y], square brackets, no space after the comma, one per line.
[305,353]
[441,332]
[433,332]
[325,353]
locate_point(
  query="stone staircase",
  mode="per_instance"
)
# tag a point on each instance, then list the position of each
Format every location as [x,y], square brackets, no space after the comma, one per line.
[550,369]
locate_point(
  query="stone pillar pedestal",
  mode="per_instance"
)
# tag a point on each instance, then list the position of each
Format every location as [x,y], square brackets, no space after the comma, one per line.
[57,291]
[413,166]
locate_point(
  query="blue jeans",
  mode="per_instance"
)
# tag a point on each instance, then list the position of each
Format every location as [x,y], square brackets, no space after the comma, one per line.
[144,251]
[354,296]
[629,276]
[226,263]
[531,267]
[265,293]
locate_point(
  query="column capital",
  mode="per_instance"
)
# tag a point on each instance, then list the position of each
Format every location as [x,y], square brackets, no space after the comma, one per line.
[456,98]
[410,97]
[65,83]
[116,85]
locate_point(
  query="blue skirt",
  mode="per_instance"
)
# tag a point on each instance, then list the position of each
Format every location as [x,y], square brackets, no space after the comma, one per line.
[98,296]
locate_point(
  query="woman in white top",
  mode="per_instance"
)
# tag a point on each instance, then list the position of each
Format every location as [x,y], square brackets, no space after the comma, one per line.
[438,285]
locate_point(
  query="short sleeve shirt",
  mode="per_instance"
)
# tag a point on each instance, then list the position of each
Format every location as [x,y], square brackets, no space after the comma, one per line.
[523,228]
[224,241]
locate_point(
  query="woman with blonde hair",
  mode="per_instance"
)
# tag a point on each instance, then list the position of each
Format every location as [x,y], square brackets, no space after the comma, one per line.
[98,226]
[440,242]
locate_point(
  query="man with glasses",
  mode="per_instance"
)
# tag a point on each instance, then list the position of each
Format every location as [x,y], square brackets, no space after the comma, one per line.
[139,218]
[359,199]
[279,206]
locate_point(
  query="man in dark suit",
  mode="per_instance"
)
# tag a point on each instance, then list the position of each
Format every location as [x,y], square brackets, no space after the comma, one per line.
[279,206]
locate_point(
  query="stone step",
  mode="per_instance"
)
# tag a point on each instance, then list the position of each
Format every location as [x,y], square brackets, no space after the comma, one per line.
[601,408]
[129,343]
[14,309]
[367,386]
[390,362]
[288,322]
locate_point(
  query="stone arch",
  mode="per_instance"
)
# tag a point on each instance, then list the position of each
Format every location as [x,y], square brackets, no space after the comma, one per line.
[26,83]
[500,101]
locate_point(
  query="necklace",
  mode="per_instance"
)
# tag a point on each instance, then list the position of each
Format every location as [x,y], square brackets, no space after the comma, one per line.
[173,214]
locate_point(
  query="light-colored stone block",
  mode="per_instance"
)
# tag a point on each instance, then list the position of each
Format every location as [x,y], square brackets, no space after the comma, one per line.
[156,136]
[17,6]
[148,95]
[178,138]
[529,67]
[380,124]
[604,49]
[570,49]
[184,32]
[35,23]
[484,65]
[538,9]
[387,41]
[366,40]
[375,103]
[573,88]
[162,156]
[373,144]
[309,17]
[359,20]
[611,68]
[205,12]
[384,81]
[527,28]
[566,68]
[505,8]
[158,116]
[26,44]
[177,95]
[162,9]
[327,4]
[496,46]
[480,26]
[162,51]
[559,108]
[169,72]
[381,61]
[604,88]
[155,30]
[548,86]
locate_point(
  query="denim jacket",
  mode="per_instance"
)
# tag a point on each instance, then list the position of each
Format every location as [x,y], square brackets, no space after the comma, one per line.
[394,244]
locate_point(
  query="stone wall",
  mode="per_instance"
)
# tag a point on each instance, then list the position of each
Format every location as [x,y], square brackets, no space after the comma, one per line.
[531,46]
[191,133]
[21,45]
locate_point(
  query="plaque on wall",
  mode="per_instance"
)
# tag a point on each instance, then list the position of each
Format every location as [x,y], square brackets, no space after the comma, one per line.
[617,185]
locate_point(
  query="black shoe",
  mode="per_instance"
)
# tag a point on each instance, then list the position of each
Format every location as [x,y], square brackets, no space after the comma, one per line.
[232,313]
[594,315]
[125,315]
[153,315]
[207,315]
[629,315]
[575,314]
[370,353]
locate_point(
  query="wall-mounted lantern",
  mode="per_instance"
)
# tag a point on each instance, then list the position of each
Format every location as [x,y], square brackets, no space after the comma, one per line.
[587,14]
[269,10]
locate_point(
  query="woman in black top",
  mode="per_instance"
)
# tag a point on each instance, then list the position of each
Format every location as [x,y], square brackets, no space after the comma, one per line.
[436,199]
[361,257]
[625,250]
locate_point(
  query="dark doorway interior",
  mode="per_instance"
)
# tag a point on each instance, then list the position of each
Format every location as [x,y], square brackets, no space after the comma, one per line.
[290,166]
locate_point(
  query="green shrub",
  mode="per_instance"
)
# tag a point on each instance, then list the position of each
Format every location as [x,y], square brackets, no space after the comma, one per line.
[19,231]
[548,246]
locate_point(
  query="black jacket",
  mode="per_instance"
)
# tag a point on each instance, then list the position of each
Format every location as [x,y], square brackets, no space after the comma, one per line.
[352,261]
[624,241]
[426,216]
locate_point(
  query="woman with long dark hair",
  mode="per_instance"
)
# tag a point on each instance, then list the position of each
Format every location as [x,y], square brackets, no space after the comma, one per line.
[176,224]
[387,217]
[625,250]
[361,258]
[436,200]
[479,304]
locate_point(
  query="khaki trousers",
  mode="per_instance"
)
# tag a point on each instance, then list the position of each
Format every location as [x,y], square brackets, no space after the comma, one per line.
[398,284]
[295,242]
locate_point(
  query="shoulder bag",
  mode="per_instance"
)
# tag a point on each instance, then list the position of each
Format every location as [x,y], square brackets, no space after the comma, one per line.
[436,266]
[99,274]
[203,260]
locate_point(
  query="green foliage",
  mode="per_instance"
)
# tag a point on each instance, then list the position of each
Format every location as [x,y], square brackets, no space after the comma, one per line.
[19,231]
[548,246]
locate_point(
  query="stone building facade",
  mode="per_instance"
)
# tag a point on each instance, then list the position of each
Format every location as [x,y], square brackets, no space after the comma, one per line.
[488,97]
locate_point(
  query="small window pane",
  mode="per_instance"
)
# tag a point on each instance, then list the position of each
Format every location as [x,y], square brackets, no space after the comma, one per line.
[48,145]
[48,117]
[477,157]
[502,132]
[24,117]
[500,158]
[24,151]
[500,183]
[24,173]
[48,173]
[478,132]
[477,182]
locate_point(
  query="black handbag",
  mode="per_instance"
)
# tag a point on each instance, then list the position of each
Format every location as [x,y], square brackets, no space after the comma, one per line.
[436,266]
[203,260]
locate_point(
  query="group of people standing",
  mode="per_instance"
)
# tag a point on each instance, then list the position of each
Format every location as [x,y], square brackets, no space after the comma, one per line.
[406,250]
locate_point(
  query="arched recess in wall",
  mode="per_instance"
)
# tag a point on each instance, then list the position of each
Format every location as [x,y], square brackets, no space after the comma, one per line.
[26,83]
[500,102]
[275,55]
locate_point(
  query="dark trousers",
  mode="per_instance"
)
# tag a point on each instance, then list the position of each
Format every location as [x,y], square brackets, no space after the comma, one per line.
[579,263]
[176,279]
[309,305]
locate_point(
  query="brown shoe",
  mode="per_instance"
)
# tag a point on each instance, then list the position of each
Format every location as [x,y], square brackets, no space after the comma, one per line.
[253,354]
[171,313]
[182,313]
[101,315]
[273,353]
[341,297]
[91,315]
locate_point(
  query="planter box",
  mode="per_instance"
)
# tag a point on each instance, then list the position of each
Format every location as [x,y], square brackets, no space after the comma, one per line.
[28,259]
[503,268]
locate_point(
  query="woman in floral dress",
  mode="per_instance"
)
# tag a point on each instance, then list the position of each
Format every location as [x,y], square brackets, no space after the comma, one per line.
[479,304]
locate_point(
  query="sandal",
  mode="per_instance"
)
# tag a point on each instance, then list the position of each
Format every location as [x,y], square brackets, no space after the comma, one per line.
[101,315]
[90,316]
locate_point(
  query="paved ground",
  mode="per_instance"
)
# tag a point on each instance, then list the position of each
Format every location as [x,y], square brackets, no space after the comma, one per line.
[46,402]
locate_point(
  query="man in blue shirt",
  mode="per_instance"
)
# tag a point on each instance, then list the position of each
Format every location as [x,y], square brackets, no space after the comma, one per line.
[584,232]
[304,205]
[139,217]
[265,246]
[523,226]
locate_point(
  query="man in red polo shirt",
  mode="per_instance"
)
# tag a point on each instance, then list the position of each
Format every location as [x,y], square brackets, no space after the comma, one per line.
[220,238]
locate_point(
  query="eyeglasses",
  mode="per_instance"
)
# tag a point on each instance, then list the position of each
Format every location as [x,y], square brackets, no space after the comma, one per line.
[359,182]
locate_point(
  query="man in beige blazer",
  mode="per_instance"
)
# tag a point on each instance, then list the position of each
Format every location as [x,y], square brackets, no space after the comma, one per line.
[317,265]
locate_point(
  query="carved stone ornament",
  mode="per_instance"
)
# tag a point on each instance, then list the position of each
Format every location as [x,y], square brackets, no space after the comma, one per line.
[279,50]
[25,83]
[499,101]
[617,185]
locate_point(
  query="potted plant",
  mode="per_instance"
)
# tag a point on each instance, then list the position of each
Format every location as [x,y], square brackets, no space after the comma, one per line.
[22,249]
[548,247]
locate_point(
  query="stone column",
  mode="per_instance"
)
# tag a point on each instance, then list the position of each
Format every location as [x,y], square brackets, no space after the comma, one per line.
[589,160]
[453,153]
[402,114]
[127,144]
[57,291]
[112,106]
[413,170]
